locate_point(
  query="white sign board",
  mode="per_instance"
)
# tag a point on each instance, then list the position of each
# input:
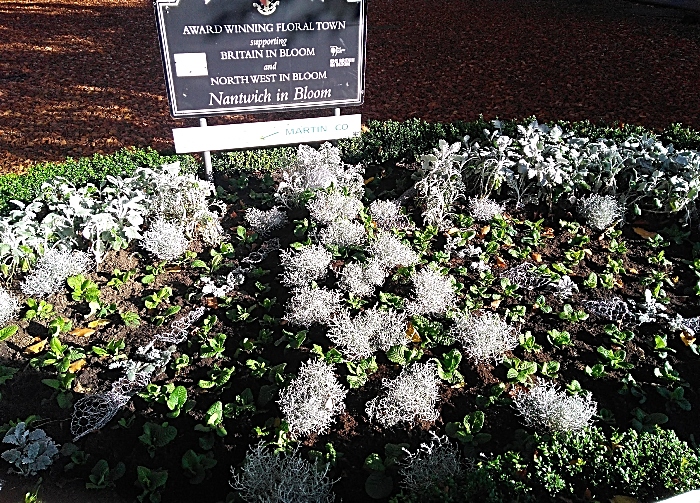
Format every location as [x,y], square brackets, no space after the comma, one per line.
[266,134]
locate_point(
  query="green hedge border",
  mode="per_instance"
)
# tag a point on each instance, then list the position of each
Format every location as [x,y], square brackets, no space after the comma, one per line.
[382,142]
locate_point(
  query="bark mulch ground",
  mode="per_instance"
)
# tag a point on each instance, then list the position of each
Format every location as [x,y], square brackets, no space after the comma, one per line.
[84,76]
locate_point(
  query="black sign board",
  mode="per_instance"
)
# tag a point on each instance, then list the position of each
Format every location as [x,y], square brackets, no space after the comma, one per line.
[233,56]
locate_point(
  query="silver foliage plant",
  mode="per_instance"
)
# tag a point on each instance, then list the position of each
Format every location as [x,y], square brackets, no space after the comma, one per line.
[309,305]
[269,477]
[600,212]
[304,266]
[265,221]
[361,279]
[389,251]
[52,269]
[33,450]
[9,307]
[431,464]
[316,170]
[433,293]
[327,207]
[387,215]
[544,406]
[483,209]
[412,395]
[343,233]
[312,399]
[165,240]
[485,337]
[371,330]
[440,184]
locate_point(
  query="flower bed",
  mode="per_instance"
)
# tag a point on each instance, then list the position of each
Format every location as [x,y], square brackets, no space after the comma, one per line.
[512,317]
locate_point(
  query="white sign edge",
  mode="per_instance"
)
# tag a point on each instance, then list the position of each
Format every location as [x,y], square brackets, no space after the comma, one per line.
[266,134]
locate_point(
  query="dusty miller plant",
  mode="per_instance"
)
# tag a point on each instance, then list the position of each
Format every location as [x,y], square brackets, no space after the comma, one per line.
[387,215]
[269,477]
[265,221]
[412,395]
[371,330]
[309,305]
[431,464]
[33,450]
[327,207]
[52,270]
[304,266]
[439,184]
[485,337]
[600,212]
[388,251]
[433,293]
[343,233]
[544,406]
[316,170]
[361,279]
[165,240]
[312,399]
[9,307]
[484,209]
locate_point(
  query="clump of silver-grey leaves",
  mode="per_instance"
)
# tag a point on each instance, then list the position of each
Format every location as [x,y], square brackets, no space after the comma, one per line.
[301,267]
[343,233]
[483,209]
[412,395]
[387,215]
[52,270]
[165,240]
[265,221]
[485,337]
[433,293]
[312,399]
[9,307]
[432,463]
[309,305]
[600,212]
[371,330]
[270,477]
[544,406]
[361,279]
[389,251]
[327,207]
[33,450]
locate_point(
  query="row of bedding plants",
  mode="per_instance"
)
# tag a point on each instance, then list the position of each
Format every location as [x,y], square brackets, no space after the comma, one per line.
[512,318]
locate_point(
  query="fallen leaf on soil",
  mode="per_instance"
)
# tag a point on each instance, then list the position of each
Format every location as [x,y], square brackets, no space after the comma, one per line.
[536,257]
[548,232]
[82,332]
[35,348]
[687,338]
[624,499]
[211,302]
[78,388]
[632,270]
[452,231]
[99,323]
[173,269]
[369,180]
[412,333]
[495,303]
[484,230]
[644,233]
[500,262]
[77,365]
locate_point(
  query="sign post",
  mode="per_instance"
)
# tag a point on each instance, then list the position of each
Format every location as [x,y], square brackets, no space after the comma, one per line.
[249,56]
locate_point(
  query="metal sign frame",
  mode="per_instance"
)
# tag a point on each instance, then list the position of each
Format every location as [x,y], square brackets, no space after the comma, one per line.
[200,59]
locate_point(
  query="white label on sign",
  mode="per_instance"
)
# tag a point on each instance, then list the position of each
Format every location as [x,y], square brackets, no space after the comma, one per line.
[191,64]
[265,134]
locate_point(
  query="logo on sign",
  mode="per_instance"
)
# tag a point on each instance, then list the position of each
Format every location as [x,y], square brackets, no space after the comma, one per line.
[266,7]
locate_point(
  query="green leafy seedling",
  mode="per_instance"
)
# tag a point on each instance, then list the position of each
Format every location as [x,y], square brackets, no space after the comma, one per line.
[103,477]
[468,432]
[151,483]
[156,436]
[83,289]
[197,466]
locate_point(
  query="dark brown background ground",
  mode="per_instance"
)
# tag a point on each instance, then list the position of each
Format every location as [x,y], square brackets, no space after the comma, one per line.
[84,76]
